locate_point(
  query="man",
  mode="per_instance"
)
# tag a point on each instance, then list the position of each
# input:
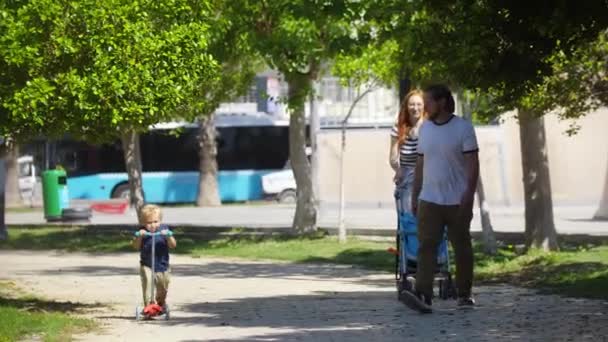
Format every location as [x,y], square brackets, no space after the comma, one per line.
[447,170]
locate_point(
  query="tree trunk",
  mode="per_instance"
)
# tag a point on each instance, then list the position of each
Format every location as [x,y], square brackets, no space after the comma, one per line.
[602,211]
[341,221]
[12,193]
[405,85]
[305,219]
[3,231]
[487,231]
[540,228]
[208,190]
[132,153]
[489,238]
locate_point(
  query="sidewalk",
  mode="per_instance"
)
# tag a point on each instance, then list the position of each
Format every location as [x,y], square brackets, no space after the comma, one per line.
[239,300]
[568,219]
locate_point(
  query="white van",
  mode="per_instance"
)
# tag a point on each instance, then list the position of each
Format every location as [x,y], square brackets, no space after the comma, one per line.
[27,177]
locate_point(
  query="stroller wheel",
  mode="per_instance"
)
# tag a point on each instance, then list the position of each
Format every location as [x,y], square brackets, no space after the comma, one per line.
[451,289]
[399,287]
[406,283]
[137,313]
[444,289]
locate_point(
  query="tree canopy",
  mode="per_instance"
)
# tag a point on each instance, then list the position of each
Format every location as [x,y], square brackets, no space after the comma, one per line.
[94,69]
[506,49]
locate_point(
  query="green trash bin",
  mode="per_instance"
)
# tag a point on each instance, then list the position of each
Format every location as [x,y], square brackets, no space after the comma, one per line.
[54,194]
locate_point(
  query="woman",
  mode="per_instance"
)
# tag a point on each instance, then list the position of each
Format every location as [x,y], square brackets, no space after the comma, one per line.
[404,146]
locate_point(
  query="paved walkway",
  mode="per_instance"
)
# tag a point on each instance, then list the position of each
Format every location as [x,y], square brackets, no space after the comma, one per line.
[230,300]
[568,219]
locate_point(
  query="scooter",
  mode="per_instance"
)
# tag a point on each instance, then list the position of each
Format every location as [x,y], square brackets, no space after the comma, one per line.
[152,310]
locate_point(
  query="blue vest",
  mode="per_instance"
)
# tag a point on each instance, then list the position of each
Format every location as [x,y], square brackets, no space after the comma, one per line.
[161,251]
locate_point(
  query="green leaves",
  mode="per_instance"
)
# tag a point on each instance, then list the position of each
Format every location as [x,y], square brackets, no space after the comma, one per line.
[578,83]
[297,37]
[373,63]
[91,68]
[508,50]
[237,61]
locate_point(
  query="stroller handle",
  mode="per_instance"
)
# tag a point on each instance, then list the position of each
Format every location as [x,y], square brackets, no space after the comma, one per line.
[169,233]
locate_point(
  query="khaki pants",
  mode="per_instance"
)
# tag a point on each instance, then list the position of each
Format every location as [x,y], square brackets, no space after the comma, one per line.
[432,218]
[162,285]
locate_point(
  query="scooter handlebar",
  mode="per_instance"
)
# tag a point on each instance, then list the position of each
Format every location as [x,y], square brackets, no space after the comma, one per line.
[168,233]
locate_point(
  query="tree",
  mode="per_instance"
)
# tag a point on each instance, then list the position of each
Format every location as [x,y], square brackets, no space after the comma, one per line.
[229,46]
[504,49]
[101,70]
[208,189]
[579,85]
[469,103]
[297,38]
[365,70]
[12,192]
[3,231]
[602,210]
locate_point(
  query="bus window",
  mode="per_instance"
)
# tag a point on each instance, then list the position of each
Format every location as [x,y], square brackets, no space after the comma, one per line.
[252,148]
[163,150]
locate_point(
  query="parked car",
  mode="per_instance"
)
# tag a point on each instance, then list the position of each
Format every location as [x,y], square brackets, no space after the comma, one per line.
[281,185]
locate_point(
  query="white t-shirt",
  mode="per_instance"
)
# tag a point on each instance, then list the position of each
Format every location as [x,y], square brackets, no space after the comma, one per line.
[443,147]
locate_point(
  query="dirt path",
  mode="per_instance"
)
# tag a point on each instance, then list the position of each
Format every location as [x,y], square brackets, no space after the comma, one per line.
[230,300]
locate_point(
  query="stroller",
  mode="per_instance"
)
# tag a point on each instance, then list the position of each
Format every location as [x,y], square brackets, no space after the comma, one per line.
[407,253]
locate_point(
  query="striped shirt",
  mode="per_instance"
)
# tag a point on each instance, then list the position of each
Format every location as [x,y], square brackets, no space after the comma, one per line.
[408,151]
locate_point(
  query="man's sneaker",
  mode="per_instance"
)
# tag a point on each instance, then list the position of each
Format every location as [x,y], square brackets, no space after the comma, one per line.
[416,301]
[466,302]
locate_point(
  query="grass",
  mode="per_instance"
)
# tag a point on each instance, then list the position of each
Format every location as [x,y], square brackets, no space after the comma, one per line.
[69,239]
[368,254]
[22,316]
[23,209]
[575,271]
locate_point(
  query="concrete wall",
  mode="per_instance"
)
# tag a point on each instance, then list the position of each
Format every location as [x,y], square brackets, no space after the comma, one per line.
[578,164]
[368,176]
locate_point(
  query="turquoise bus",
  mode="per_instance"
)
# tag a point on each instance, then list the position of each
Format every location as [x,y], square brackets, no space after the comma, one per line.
[248,147]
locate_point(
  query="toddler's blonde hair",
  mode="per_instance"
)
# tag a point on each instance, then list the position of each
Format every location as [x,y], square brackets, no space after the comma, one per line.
[148,211]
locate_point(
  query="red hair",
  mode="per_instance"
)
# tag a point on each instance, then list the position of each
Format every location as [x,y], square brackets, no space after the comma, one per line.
[404,125]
